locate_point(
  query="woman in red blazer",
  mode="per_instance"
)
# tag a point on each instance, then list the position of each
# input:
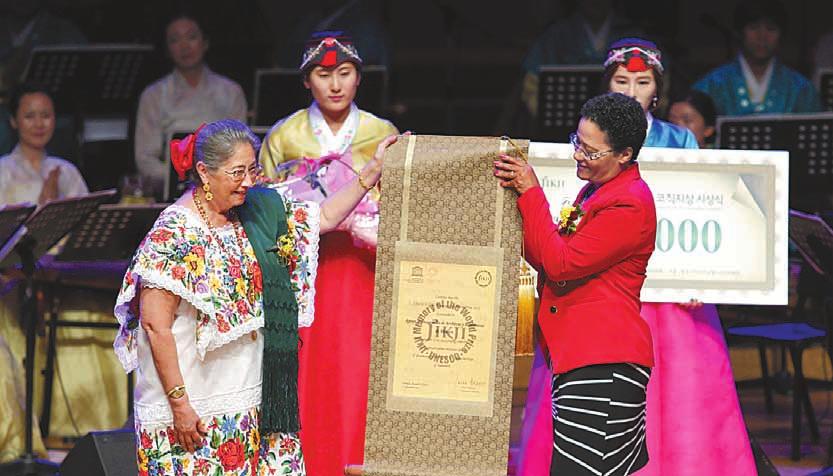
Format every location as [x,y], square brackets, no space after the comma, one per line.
[591,268]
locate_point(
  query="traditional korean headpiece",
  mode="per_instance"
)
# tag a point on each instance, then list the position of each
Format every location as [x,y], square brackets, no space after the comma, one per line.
[328,49]
[636,54]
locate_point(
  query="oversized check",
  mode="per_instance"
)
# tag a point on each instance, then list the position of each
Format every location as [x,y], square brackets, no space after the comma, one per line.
[722,220]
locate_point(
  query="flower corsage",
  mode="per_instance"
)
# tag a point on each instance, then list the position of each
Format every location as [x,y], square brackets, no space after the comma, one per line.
[285,248]
[569,218]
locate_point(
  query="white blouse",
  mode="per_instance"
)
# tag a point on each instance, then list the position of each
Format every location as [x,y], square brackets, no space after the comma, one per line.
[20,182]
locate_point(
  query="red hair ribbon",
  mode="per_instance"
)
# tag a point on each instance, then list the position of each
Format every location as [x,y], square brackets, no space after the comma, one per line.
[182,152]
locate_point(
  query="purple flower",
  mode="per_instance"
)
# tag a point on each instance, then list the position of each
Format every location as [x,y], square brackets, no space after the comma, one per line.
[244,423]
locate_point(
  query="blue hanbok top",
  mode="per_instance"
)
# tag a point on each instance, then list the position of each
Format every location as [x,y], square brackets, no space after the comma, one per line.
[788,91]
[665,134]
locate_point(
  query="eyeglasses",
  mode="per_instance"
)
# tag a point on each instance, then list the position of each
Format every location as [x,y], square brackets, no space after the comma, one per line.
[239,174]
[583,153]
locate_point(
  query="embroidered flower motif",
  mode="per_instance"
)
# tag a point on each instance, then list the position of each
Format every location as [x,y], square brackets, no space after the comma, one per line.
[287,445]
[146,441]
[143,461]
[178,272]
[232,455]
[257,278]
[234,268]
[161,236]
[300,215]
[569,218]
[195,264]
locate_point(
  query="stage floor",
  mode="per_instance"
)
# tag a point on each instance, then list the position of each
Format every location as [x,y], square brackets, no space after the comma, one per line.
[771,431]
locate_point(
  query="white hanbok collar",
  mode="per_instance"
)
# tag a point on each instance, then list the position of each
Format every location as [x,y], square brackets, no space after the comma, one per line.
[181,83]
[757,89]
[17,156]
[650,118]
[333,143]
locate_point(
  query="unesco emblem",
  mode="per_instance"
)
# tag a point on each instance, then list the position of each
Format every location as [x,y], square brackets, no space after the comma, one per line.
[416,274]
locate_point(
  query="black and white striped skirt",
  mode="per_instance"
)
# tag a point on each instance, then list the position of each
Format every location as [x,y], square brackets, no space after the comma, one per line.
[599,420]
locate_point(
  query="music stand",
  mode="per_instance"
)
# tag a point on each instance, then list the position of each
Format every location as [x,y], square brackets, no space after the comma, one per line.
[11,229]
[110,233]
[562,90]
[100,246]
[826,89]
[44,228]
[814,239]
[279,92]
[103,78]
[807,137]
[99,85]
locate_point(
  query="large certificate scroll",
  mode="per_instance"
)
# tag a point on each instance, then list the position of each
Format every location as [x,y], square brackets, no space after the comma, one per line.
[445,311]
[722,220]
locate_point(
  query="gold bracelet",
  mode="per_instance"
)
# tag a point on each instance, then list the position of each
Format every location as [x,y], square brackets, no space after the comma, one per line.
[364,184]
[176,392]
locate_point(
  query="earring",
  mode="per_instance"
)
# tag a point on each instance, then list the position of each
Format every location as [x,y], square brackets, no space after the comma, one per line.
[654,102]
[207,189]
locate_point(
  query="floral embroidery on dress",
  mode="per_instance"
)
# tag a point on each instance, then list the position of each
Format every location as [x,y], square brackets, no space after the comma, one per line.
[302,223]
[233,446]
[180,255]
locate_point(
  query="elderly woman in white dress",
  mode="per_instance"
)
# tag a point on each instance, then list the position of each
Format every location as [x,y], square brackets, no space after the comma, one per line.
[210,308]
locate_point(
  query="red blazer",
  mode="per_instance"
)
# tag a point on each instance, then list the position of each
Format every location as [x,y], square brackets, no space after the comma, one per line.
[590,280]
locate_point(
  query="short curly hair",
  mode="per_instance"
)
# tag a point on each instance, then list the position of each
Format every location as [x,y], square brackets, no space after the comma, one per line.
[621,118]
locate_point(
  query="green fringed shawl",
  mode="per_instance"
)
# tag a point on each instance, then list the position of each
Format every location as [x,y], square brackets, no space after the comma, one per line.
[264,218]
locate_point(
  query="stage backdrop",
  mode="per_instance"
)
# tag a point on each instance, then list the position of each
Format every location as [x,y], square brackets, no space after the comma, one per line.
[445,311]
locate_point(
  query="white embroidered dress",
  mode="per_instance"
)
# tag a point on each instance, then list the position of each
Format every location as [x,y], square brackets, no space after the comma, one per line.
[218,340]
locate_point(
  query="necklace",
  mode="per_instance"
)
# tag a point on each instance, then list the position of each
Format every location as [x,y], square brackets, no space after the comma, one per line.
[234,223]
[238,234]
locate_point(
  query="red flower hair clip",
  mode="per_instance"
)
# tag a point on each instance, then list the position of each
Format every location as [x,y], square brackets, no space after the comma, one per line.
[182,152]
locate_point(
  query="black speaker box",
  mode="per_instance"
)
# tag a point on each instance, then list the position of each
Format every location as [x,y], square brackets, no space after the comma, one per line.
[102,453]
